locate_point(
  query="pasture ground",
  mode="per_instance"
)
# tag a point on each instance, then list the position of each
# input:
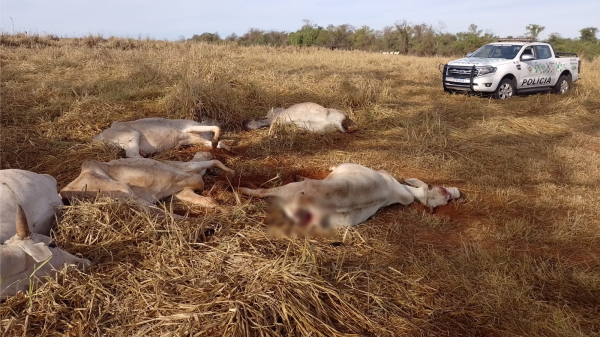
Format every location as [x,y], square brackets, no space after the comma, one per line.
[519,255]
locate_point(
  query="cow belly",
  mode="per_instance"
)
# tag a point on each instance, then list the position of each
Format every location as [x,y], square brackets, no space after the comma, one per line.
[150,194]
[314,126]
[354,217]
[154,141]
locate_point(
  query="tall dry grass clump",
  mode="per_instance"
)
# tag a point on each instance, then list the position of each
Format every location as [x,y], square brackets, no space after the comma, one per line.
[517,255]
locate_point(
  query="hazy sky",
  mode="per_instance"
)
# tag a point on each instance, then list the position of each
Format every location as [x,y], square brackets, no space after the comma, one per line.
[174,18]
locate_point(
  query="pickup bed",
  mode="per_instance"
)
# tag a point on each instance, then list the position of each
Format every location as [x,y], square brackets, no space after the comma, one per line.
[507,68]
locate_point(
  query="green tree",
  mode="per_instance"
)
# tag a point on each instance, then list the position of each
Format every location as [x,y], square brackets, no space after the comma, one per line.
[305,36]
[533,31]
[323,39]
[471,40]
[232,37]
[206,37]
[588,34]
[364,38]
[403,38]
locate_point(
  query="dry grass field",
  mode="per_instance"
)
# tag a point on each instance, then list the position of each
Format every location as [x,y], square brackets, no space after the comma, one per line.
[518,255]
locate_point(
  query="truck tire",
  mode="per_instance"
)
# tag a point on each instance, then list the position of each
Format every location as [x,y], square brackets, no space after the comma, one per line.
[563,84]
[506,89]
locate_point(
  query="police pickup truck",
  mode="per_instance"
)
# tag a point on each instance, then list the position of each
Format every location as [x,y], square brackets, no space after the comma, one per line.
[512,66]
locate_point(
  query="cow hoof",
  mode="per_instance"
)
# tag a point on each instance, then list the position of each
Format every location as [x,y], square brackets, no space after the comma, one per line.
[230,175]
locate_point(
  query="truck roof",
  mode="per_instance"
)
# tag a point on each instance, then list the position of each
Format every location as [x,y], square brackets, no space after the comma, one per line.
[518,43]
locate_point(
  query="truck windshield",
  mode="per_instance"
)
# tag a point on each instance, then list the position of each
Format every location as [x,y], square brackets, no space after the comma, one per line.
[502,51]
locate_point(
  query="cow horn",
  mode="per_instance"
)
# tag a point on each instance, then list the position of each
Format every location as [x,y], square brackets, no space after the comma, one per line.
[21,223]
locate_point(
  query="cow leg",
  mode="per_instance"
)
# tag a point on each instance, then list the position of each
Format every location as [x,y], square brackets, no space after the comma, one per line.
[205,128]
[205,165]
[219,145]
[260,192]
[131,144]
[188,194]
[126,138]
[352,218]
[359,216]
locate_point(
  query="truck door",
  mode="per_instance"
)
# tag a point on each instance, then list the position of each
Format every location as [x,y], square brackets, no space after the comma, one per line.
[538,71]
[547,65]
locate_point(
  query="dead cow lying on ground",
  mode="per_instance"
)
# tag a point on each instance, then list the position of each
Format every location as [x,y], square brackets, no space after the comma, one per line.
[144,137]
[349,195]
[145,180]
[28,197]
[35,192]
[308,116]
[29,253]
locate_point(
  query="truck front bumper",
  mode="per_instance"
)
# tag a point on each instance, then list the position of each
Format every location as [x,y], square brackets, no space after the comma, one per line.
[469,82]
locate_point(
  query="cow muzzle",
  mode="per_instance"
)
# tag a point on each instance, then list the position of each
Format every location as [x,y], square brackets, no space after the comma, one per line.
[349,126]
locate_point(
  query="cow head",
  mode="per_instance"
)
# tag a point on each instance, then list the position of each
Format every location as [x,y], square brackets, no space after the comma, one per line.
[348,125]
[433,196]
[26,251]
[341,119]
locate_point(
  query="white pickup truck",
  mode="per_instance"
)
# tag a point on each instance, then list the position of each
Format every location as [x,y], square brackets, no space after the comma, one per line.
[512,66]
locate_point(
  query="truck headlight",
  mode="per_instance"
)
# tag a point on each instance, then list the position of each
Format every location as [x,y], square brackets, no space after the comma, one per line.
[485,70]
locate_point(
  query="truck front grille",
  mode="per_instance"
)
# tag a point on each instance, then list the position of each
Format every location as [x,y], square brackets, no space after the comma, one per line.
[460,72]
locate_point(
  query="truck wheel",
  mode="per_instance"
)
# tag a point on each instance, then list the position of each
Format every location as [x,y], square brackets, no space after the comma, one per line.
[506,89]
[563,85]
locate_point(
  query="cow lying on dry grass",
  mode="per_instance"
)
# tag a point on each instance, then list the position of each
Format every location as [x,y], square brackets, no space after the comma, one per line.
[143,137]
[35,192]
[308,116]
[144,180]
[349,195]
[27,197]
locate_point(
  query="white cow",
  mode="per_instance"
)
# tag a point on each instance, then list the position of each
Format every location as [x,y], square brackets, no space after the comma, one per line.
[23,251]
[145,180]
[349,195]
[308,116]
[144,137]
[27,252]
[38,195]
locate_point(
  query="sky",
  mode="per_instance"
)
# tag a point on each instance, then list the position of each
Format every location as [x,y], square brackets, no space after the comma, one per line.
[172,19]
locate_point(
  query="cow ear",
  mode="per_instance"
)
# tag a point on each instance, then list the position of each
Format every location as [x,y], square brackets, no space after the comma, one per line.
[39,251]
[415,182]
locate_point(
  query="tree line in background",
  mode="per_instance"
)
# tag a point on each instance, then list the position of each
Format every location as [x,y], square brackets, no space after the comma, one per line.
[408,39]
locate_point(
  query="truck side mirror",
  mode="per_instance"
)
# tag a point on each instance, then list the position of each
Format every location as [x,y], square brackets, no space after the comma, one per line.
[527,57]
[469,54]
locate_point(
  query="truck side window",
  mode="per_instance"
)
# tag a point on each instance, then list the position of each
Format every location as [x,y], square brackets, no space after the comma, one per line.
[528,50]
[542,52]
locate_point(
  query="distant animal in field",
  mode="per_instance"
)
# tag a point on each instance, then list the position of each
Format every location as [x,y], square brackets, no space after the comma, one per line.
[145,180]
[349,195]
[144,137]
[28,197]
[36,193]
[308,116]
